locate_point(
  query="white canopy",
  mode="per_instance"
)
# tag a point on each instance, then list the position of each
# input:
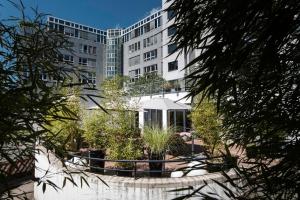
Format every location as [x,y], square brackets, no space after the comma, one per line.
[163,104]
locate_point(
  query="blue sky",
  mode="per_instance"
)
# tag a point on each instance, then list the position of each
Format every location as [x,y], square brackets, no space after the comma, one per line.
[101,14]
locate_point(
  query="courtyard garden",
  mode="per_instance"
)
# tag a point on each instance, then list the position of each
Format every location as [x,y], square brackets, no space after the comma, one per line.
[110,140]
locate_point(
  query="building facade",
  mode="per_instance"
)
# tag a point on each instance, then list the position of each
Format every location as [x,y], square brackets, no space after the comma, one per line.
[140,49]
[88,46]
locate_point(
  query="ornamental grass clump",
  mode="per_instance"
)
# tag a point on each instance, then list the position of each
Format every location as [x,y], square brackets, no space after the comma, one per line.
[157,142]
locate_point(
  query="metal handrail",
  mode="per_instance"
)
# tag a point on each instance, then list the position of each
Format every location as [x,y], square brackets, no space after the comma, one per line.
[135,162]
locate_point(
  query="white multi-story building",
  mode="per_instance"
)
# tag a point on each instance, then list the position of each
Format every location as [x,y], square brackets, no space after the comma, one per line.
[135,51]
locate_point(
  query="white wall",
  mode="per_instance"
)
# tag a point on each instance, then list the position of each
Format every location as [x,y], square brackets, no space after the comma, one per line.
[119,187]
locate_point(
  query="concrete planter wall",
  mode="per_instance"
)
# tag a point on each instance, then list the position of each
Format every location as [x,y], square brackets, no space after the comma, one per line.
[119,187]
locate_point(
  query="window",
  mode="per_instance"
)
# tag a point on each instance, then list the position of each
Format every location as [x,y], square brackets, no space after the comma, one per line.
[150,69]
[176,119]
[68,58]
[172,48]
[171,30]
[150,55]
[51,26]
[153,118]
[76,32]
[157,22]
[136,32]
[134,61]
[134,74]
[150,41]
[111,55]
[171,14]
[173,65]
[83,61]
[91,77]
[147,27]
[134,47]
[61,28]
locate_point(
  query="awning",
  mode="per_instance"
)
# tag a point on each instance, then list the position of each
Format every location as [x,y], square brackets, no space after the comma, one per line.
[163,104]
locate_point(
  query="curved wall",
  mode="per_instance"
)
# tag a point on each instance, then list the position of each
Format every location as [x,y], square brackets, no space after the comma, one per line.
[119,187]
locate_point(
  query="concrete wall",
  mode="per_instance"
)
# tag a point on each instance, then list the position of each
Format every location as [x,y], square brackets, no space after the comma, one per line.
[119,187]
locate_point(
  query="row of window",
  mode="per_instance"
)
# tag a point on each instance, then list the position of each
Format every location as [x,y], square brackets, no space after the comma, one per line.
[134,47]
[78,33]
[143,29]
[150,41]
[150,69]
[81,61]
[135,74]
[87,62]
[78,26]
[143,21]
[150,55]
[87,49]
[147,43]
[89,77]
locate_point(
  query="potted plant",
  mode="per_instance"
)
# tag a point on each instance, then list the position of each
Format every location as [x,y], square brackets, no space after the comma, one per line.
[125,149]
[156,141]
[94,135]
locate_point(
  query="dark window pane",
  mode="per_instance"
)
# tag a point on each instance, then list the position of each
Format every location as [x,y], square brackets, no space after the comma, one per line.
[171,14]
[159,118]
[173,65]
[172,48]
[171,30]
[179,121]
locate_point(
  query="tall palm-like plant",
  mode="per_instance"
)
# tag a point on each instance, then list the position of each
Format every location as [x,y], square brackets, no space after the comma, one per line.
[249,62]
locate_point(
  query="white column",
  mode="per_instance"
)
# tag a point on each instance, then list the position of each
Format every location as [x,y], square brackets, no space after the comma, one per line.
[164,119]
[141,120]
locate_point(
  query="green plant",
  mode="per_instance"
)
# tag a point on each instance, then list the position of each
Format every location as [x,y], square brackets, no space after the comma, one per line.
[147,84]
[177,146]
[125,150]
[156,139]
[94,125]
[68,131]
[120,126]
[28,104]
[207,123]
